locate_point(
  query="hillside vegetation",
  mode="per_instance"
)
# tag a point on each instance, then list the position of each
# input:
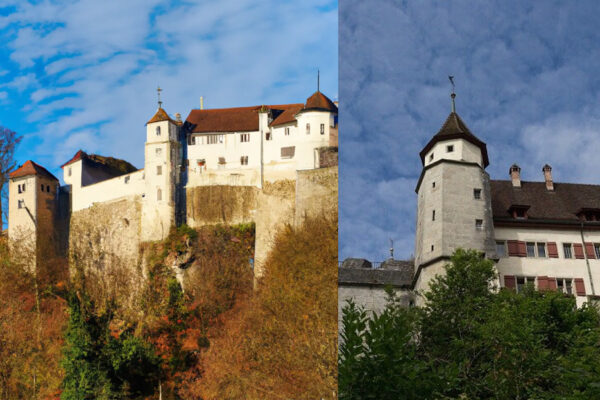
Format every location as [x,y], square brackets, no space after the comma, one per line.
[214,337]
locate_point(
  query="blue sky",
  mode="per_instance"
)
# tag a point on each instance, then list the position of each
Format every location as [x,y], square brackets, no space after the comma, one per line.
[528,84]
[83,74]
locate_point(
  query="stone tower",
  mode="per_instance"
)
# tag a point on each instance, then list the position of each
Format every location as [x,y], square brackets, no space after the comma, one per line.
[32,207]
[454,201]
[161,176]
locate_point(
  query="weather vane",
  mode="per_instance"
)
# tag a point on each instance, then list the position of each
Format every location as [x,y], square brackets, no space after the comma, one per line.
[158,90]
[318,80]
[453,95]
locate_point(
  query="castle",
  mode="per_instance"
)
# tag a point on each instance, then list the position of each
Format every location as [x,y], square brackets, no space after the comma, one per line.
[216,163]
[546,233]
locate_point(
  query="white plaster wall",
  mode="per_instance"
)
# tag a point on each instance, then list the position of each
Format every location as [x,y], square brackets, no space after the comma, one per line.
[555,267]
[463,151]
[108,190]
[20,224]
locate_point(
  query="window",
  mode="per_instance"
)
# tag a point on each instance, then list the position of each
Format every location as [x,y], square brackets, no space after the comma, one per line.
[522,281]
[433,215]
[221,163]
[450,148]
[21,188]
[191,140]
[568,250]
[432,184]
[127,179]
[42,187]
[308,129]
[214,139]
[564,285]
[288,152]
[287,131]
[69,171]
[244,160]
[501,248]
[322,129]
[268,136]
[431,157]
[477,194]
[541,250]
[479,224]
[159,170]
[244,137]
[432,247]
[159,195]
[530,249]
[158,151]
[520,213]
[158,131]
[21,203]
[597,250]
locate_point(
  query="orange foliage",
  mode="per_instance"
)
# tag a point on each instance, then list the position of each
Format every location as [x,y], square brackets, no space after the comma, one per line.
[282,342]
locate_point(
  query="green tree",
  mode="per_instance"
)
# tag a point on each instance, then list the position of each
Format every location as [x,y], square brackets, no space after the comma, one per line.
[471,341]
[103,364]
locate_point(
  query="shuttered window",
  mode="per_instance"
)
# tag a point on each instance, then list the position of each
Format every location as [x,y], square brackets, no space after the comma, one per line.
[552,250]
[509,281]
[516,248]
[578,247]
[590,251]
[579,287]
[288,152]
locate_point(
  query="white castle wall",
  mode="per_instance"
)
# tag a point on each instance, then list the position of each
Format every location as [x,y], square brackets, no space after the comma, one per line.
[111,189]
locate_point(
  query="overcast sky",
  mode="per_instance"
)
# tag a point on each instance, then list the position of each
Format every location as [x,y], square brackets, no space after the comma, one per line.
[528,84]
[83,74]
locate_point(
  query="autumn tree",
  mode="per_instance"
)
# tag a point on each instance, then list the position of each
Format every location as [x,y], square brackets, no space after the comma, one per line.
[282,342]
[8,143]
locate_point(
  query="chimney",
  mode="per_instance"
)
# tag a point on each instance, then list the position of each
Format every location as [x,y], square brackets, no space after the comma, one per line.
[515,175]
[547,170]
[202,102]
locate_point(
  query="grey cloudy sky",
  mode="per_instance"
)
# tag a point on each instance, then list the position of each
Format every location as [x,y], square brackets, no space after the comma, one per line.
[528,84]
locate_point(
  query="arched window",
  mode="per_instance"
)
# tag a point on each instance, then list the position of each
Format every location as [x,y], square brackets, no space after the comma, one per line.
[158,131]
[159,195]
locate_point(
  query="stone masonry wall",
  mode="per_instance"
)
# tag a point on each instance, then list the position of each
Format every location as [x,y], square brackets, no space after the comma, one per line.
[209,205]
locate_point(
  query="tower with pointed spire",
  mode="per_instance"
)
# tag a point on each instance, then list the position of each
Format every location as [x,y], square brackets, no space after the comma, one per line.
[161,174]
[454,201]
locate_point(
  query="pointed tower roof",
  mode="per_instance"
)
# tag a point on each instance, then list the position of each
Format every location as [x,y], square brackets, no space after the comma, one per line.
[455,128]
[161,115]
[319,102]
[31,168]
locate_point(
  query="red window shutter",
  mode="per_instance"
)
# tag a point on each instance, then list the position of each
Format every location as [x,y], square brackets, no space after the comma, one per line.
[509,281]
[542,282]
[513,248]
[522,249]
[552,250]
[578,250]
[551,283]
[579,287]
[589,250]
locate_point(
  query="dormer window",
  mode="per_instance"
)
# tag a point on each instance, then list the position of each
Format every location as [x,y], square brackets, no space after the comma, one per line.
[158,131]
[588,214]
[518,211]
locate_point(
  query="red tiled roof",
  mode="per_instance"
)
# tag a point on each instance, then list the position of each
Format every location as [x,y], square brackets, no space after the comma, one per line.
[239,119]
[31,168]
[286,115]
[161,115]
[78,156]
[318,101]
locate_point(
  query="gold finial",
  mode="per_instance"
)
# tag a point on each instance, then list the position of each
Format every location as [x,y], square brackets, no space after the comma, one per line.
[453,95]
[158,90]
